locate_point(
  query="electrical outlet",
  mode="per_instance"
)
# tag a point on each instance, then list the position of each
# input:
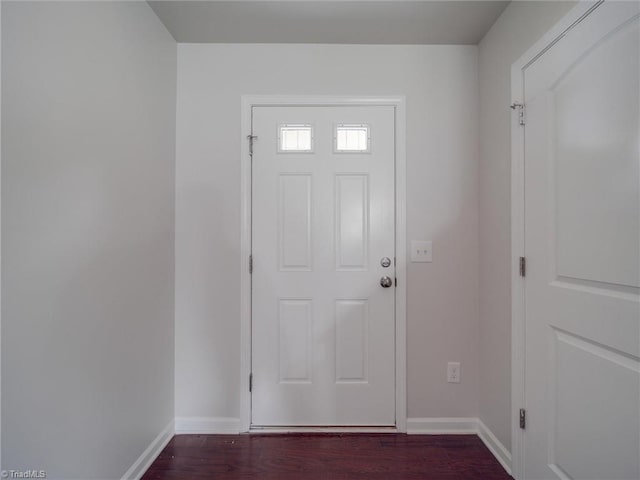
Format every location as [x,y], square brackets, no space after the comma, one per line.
[453,372]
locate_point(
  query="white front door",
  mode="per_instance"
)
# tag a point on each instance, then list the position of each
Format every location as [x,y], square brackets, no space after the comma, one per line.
[582,244]
[323,326]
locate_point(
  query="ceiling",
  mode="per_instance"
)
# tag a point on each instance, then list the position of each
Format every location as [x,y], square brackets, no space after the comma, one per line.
[327,21]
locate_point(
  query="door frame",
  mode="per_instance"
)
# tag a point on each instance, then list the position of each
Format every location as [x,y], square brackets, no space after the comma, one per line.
[399,104]
[518,393]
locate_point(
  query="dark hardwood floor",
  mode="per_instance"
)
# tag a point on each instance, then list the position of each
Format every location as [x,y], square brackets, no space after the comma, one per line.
[327,456]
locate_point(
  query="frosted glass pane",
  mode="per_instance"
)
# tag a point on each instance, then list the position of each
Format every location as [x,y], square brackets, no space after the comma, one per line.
[295,138]
[352,138]
[342,137]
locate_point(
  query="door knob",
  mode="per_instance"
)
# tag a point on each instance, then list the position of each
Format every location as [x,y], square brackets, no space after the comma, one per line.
[386,282]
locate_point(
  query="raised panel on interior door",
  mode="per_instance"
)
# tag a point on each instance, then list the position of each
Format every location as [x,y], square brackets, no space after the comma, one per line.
[595,418]
[294,346]
[595,124]
[352,221]
[352,341]
[295,221]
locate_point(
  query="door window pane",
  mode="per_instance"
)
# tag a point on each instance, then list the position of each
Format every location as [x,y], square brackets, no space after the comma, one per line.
[352,138]
[295,138]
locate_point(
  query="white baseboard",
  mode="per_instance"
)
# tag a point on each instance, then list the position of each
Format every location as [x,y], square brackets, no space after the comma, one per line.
[442,426]
[493,444]
[207,425]
[459,426]
[145,460]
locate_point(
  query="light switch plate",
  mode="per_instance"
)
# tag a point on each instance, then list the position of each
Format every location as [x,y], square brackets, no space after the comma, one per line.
[421,251]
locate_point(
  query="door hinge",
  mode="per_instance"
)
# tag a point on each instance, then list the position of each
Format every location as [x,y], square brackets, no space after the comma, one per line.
[250,263]
[250,382]
[520,108]
[523,266]
[251,139]
[396,281]
[523,418]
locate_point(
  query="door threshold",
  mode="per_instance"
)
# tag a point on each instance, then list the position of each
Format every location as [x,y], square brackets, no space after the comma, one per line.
[330,429]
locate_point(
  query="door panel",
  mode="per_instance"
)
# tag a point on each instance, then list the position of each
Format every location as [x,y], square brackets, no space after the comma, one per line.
[352,219]
[594,397]
[582,243]
[352,335]
[323,328]
[294,220]
[596,168]
[294,344]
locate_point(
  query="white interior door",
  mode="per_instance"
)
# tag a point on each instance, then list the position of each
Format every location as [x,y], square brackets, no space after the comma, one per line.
[582,212]
[323,326]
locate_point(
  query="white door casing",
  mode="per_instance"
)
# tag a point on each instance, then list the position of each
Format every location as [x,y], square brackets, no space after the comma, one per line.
[577,223]
[308,281]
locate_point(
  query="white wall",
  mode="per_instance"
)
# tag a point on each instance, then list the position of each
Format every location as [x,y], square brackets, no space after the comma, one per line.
[440,83]
[88,158]
[520,25]
[0,236]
